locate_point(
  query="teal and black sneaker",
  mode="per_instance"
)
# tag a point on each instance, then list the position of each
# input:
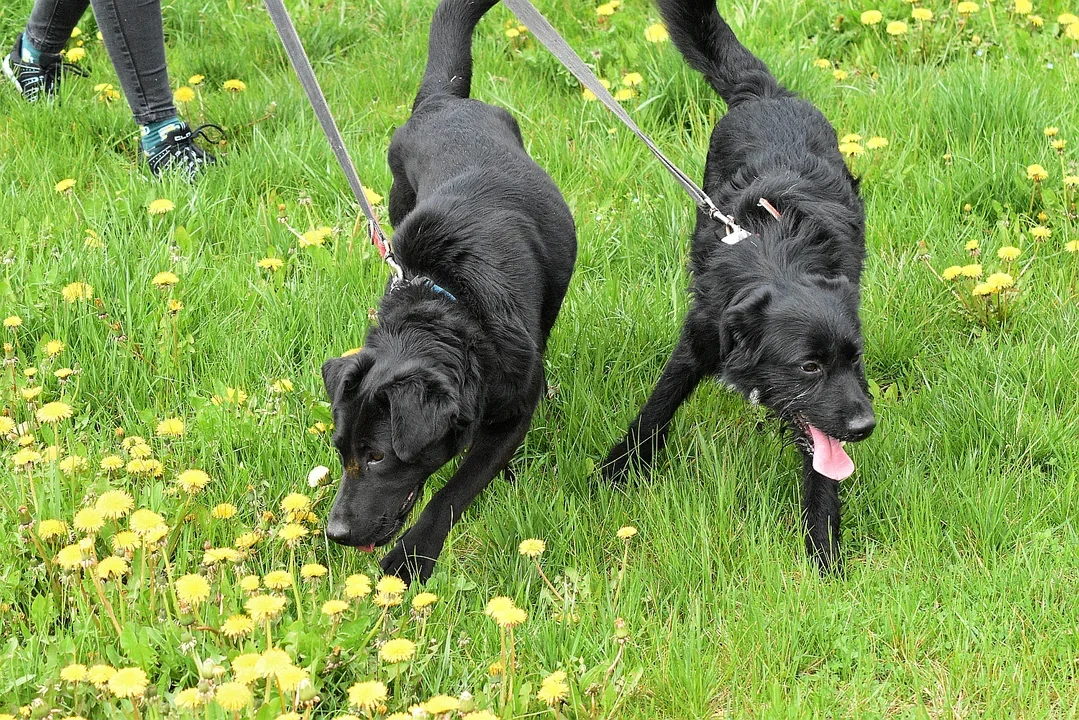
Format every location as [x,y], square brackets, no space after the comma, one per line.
[175,149]
[36,80]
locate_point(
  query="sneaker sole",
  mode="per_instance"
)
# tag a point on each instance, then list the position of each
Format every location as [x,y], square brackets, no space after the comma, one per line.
[10,74]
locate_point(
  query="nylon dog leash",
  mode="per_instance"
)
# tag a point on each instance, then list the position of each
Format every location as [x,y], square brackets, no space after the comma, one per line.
[302,65]
[543,31]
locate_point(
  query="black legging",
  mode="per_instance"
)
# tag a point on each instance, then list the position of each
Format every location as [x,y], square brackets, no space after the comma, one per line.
[134,38]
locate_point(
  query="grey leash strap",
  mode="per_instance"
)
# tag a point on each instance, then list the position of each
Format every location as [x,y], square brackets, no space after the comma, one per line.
[302,65]
[543,31]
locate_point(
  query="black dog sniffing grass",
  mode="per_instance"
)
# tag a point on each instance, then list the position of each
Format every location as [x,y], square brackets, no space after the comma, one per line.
[456,360]
[775,315]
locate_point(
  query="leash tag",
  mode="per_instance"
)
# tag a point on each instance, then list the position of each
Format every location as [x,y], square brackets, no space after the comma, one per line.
[736,236]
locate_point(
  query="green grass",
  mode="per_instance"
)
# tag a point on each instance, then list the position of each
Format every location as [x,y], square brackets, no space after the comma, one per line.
[960,531]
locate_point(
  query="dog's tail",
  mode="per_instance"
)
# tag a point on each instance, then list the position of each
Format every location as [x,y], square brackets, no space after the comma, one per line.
[449,51]
[710,47]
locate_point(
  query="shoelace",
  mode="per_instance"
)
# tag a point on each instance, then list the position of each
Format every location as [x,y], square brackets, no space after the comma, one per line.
[35,79]
[181,151]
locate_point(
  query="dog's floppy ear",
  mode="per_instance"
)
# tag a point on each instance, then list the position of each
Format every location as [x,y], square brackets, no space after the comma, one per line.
[341,372]
[743,321]
[424,407]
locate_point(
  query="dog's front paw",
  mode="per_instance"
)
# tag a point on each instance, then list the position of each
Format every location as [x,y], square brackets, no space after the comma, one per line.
[619,463]
[409,562]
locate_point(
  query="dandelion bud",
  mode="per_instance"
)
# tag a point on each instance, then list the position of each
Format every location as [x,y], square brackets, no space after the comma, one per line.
[187,619]
[307,692]
[186,637]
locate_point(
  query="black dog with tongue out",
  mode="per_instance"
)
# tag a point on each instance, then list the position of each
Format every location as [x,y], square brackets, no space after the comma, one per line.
[488,245]
[776,314]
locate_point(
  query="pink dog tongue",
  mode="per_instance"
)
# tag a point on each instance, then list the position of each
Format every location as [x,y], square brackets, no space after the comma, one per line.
[366,548]
[829,457]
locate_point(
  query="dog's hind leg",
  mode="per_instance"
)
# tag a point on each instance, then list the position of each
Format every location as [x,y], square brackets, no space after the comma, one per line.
[820,514]
[414,555]
[648,433]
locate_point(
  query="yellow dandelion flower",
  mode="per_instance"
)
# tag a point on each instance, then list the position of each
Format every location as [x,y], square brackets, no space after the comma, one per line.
[192,589]
[196,79]
[1067,19]
[632,79]
[264,607]
[277,580]
[112,566]
[1040,232]
[272,661]
[1023,7]
[367,695]
[589,95]
[164,279]
[111,462]
[53,348]
[513,32]
[357,586]
[851,138]
[982,289]
[1050,131]
[922,14]
[100,674]
[89,520]
[876,142]
[851,149]
[424,600]
[626,532]
[313,570]
[53,412]
[967,8]
[373,197]
[143,521]
[247,540]
[951,273]
[12,321]
[391,585]
[250,583]
[606,9]
[171,427]
[1058,145]
[334,607]
[1000,281]
[1008,253]
[63,373]
[1071,246]
[73,673]
[480,715]
[295,503]
[1036,173]
[553,689]
[128,683]
[822,63]
[397,650]
[223,511]
[213,556]
[871,17]
[282,385]
[1036,20]
[73,464]
[840,75]
[243,667]
[234,85]
[7,425]
[386,600]
[65,185]
[290,679]
[316,237]
[441,704]
[47,529]
[115,504]
[192,480]
[1072,31]
[188,699]
[896,27]
[532,547]
[125,540]
[625,93]
[26,456]
[76,291]
[183,94]
[30,393]
[232,696]
[75,54]
[973,270]
[161,206]
[272,264]
[656,33]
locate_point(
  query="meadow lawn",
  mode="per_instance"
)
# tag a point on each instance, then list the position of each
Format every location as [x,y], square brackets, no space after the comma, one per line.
[961,540]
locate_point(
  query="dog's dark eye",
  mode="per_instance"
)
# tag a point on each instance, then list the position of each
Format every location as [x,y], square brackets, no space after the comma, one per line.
[374,458]
[811,368]
[857,359]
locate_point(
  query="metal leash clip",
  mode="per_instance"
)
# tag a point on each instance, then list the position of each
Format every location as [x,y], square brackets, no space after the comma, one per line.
[735,232]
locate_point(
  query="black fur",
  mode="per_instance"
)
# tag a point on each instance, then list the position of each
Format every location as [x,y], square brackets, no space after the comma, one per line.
[776,315]
[478,217]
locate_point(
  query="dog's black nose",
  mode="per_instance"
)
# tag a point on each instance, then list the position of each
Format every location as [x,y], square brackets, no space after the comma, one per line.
[861,426]
[338,531]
